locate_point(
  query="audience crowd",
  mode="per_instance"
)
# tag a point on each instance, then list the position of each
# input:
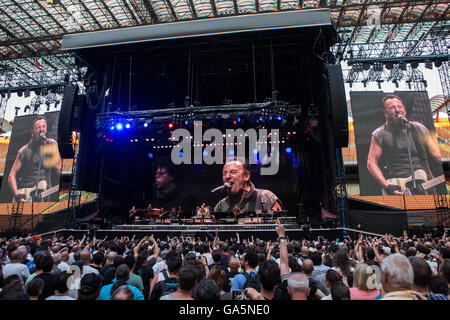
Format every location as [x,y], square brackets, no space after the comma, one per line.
[364,268]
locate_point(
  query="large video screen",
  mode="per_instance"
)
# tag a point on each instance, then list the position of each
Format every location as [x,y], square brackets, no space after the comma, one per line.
[151,177]
[396,143]
[33,163]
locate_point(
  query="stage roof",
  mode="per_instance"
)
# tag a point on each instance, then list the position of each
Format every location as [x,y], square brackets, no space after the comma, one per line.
[30,29]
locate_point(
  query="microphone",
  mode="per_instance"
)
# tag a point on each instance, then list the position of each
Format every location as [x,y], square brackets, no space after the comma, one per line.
[43,138]
[403,119]
[226,185]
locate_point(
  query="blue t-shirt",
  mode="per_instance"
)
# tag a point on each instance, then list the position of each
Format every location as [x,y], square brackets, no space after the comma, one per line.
[105,292]
[239,281]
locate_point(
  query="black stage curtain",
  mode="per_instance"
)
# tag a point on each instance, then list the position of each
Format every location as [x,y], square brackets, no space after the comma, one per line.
[378,221]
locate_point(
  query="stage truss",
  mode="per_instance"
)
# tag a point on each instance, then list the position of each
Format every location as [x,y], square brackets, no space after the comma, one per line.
[30,29]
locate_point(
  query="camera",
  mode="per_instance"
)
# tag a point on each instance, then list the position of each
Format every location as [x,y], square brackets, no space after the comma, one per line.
[240,295]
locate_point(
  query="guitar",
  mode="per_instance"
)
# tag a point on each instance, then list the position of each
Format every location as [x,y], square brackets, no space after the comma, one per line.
[133,212]
[422,186]
[236,211]
[33,196]
[422,183]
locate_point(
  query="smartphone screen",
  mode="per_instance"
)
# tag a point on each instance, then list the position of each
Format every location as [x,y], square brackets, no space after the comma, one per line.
[240,295]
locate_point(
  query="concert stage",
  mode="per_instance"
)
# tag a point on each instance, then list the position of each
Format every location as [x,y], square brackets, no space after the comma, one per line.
[176,109]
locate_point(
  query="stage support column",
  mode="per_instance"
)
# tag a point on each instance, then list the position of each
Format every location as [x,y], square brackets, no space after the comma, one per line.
[341,189]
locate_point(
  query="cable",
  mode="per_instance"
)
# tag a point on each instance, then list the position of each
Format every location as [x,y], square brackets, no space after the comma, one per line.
[254,73]
[129,84]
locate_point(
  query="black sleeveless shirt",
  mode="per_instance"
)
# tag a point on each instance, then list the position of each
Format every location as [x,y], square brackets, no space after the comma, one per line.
[395,151]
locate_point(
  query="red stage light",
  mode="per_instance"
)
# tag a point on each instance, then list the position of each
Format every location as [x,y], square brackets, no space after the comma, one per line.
[170,125]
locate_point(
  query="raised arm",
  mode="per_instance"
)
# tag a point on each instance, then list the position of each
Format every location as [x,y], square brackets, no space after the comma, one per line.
[216,239]
[377,254]
[284,260]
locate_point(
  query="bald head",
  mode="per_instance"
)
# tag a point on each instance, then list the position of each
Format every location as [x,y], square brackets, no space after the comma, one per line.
[308,267]
[85,256]
[65,256]
[56,258]
[305,251]
[234,264]
[23,248]
[16,256]
[111,256]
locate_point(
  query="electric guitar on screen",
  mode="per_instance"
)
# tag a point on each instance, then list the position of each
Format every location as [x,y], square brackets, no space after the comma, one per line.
[421,185]
[32,196]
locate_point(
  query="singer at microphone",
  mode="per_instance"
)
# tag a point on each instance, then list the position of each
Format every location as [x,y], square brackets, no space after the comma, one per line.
[242,193]
[37,165]
[43,138]
[402,119]
[390,162]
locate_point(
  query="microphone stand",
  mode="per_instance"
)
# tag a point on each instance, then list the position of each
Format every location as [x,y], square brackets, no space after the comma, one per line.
[409,156]
[36,188]
[229,202]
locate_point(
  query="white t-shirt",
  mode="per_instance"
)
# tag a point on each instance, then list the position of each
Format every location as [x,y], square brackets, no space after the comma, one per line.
[16,268]
[209,259]
[71,258]
[63,266]
[158,267]
[66,297]
[433,266]
[89,269]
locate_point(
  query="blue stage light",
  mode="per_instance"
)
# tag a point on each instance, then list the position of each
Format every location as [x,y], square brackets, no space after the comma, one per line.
[279,118]
[112,128]
[150,155]
[231,152]
[119,126]
[260,119]
[180,154]
[255,151]
[128,126]
[186,122]
[288,150]
[145,125]
[205,153]
[239,119]
[270,117]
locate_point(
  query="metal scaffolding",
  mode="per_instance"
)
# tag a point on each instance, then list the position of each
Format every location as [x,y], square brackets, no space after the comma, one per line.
[30,29]
[396,61]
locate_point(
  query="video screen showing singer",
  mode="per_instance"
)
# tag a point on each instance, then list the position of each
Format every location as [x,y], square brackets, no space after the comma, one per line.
[242,195]
[31,171]
[400,147]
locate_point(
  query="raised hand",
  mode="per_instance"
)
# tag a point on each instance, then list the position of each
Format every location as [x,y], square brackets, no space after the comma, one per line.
[280,230]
